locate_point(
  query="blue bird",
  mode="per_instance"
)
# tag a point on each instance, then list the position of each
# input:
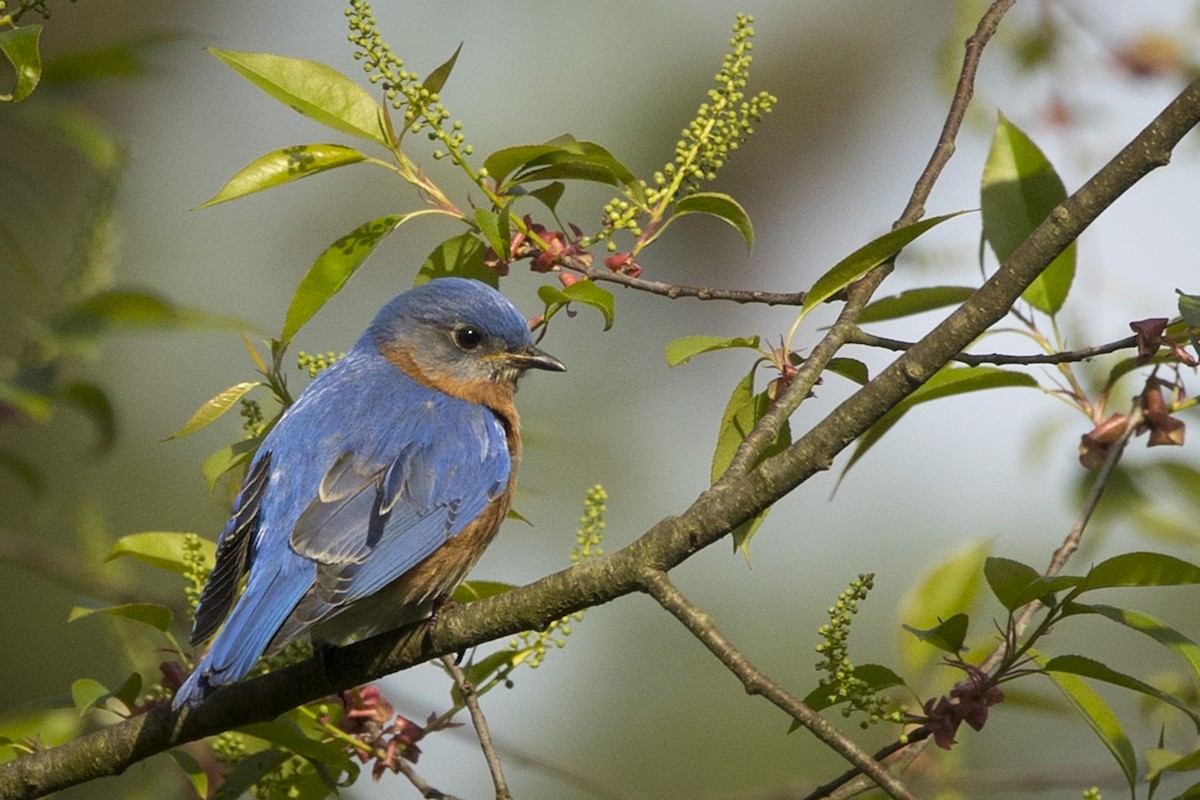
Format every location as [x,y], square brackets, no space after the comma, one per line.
[378,489]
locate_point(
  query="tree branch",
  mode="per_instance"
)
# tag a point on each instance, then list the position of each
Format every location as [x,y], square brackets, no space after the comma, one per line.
[858,336]
[471,700]
[718,510]
[659,586]
[675,291]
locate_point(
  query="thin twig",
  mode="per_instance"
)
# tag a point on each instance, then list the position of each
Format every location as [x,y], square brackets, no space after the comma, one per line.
[659,586]
[471,700]
[859,294]
[674,290]
[858,336]
[964,90]
[419,783]
[1074,536]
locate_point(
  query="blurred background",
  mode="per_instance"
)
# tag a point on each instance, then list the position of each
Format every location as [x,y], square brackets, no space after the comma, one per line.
[632,707]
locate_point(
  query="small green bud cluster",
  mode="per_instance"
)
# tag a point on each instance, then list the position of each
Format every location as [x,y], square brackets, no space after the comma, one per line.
[316,363]
[292,653]
[252,417]
[403,88]
[587,546]
[721,124]
[230,747]
[195,571]
[1092,793]
[835,651]
[279,783]
[591,526]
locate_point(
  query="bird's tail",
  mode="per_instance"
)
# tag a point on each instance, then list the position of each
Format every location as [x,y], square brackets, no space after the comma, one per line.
[244,637]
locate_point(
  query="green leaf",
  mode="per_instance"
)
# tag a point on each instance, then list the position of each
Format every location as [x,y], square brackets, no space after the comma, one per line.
[948,635]
[946,382]
[1159,761]
[564,157]
[849,368]
[866,258]
[284,166]
[1141,569]
[315,90]
[472,591]
[437,78]
[721,206]
[951,586]
[1143,623]
[118,61]
[1090,668]
[684,349]
[582,291]
[127,693]
[247,772]
[214,408]
[489,225]
[228,458]
[876,676]
[502,163]
[742,413]
[162,549]
[1020,189]
[914,301]
[1099,717]
[33,403]
[155,616]
[192,769]
[24,469]
[333,268]
[459,256]
[87,694]
[286,735]
[1008,579]
[122,309]
[1189,308]
[549,194]
[93,400]
[20,47]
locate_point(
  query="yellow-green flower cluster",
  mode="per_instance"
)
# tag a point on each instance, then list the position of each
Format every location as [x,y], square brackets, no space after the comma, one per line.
[719,128]
[314,363]
[835,651]
[591,526]
[252,417]
[722,124]
[403,88]
[195,570]
[536,644]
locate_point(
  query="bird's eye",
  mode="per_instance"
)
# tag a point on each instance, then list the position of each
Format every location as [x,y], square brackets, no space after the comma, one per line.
[468,338]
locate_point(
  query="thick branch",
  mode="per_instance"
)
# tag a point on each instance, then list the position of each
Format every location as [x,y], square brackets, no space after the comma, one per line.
[715,512]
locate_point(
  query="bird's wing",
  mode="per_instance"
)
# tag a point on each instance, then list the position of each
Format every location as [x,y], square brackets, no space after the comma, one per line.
[373,519]
[233,552]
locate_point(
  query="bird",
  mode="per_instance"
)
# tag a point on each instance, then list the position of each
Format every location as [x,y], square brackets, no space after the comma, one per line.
[378,489]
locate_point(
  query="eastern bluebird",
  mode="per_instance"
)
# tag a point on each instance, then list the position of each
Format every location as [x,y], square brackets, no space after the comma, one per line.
[379,488]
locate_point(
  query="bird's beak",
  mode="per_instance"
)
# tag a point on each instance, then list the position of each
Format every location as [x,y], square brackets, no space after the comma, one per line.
[533,358]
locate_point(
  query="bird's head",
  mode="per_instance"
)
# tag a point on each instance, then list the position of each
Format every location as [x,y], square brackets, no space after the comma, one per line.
[459,336]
